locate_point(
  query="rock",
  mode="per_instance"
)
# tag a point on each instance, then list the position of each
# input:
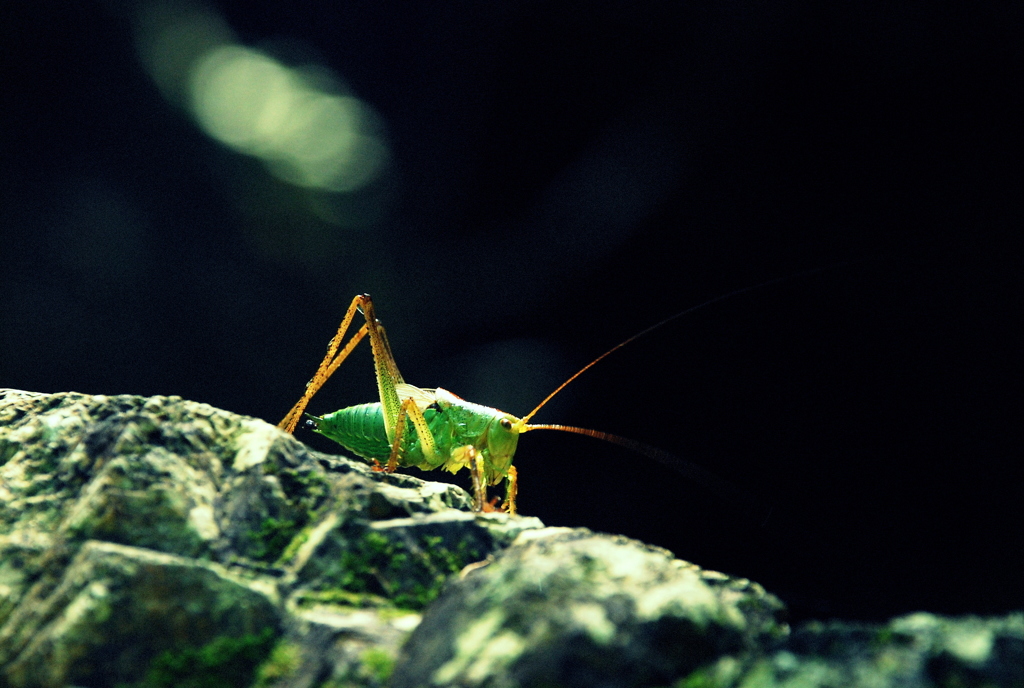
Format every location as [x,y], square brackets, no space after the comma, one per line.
[568,607]
[118,607]
[916,651]
[141,539]
[157,542]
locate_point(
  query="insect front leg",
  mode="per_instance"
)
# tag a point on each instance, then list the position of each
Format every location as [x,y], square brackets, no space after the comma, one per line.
[511,491]
[476,469]
[474,460]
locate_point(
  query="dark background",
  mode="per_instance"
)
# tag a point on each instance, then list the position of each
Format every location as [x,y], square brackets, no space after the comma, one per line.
[563,175]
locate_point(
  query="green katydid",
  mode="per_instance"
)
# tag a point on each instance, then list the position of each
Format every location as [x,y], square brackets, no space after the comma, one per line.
[446,431]
[433,428]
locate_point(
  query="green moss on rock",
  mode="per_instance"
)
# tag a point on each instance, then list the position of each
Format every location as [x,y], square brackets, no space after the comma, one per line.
[224,662]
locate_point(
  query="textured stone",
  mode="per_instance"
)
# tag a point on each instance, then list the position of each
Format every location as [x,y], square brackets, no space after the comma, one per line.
[136,533]
[155,541]
[574,608]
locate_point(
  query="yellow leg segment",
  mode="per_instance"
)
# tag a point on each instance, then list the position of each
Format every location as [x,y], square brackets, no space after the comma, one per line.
[511,491]
[383,361]
[410,410]
[476,469]
[330,363]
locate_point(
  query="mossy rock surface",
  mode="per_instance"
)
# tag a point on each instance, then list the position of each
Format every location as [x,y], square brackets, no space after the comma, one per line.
[916,651]
[152,542]
[569,607]
[136,533]
[119,608]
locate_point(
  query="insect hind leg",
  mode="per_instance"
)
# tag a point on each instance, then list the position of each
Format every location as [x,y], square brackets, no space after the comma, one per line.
[330,363]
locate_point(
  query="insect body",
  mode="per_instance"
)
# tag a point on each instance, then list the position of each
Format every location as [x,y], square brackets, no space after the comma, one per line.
[433,428]
[411,426]
[459,434]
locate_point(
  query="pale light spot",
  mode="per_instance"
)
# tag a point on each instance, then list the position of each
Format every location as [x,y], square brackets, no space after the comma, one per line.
[495,655]
[592,617]
[972,645]
[253,443]
[303,128]
[204,522]
[470,645]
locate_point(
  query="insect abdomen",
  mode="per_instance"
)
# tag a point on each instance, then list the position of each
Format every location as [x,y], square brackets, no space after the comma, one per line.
[360,429]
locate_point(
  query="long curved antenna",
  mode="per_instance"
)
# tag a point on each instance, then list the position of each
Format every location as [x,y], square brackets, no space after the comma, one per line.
[721,488]
[522,425]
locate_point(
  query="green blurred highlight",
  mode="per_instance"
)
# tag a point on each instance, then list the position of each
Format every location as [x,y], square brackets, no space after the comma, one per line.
[296,120]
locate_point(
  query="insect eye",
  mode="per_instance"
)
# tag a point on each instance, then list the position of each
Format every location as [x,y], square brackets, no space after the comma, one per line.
[505,423]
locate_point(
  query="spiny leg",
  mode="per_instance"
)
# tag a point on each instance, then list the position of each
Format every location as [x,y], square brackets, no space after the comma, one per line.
[385,369]
[330,363]
[410,410]
[511,491]
[395,409]
[388,376]
[473,459]
[476,470]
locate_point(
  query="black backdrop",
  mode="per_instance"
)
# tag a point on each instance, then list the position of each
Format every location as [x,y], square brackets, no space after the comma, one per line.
[562,176]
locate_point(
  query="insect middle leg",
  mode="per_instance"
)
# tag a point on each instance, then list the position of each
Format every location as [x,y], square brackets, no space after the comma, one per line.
[410,410]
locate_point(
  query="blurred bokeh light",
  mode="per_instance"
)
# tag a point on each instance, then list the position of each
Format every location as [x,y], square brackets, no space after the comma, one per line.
[297,120]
